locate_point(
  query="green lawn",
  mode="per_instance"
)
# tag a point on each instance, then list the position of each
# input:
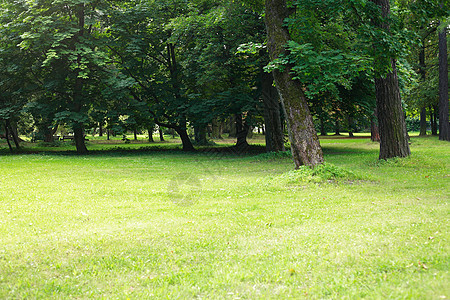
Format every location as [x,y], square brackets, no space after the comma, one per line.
[164,224]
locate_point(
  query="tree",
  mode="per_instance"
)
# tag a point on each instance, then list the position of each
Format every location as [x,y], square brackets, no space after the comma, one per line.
[305,144]
[391,120]
[444,126]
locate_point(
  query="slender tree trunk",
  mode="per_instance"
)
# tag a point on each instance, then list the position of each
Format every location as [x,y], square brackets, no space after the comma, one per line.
[7,137]
[108,134]
[350,126]
[161,134]
[423,74]
[434,125]
[305,144]
[391,120]
[135,134]
[14,134]
[272,119]
[78,86]
[444,126]
[100,129]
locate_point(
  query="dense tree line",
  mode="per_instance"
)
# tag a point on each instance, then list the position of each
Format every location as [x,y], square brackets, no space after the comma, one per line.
[204,64]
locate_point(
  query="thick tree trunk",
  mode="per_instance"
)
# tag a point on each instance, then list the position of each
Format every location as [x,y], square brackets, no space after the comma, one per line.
[242,129]
[185,140]
[79,140]
[423,122]
[305,144]
[391,120]
[272,119]
[444,126]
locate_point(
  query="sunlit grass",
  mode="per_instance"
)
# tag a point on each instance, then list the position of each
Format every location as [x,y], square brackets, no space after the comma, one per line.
[219,226]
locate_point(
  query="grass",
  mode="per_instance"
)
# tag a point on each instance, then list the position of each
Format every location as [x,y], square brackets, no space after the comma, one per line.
[166,225]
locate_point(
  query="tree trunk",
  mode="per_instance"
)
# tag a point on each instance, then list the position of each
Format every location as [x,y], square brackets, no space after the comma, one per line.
[423,74]
[305,144]
[108,134]
[374,132]
[423,122]
[200,134]
[337,127]
[7,137]
[14,134]
[434,125]
[161,134]
[78,86]
[391,120]
[272,119]
[100,129]
[135,134]
[79,140]
[242,129]
[185,140]
[444,126]
[215,130]
[150,134]
[350,125]
[232,133]
[323,132]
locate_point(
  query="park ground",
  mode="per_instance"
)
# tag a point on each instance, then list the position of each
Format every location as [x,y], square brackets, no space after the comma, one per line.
[156,223]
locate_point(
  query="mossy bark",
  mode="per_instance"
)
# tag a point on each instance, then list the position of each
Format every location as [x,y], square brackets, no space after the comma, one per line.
[305,144]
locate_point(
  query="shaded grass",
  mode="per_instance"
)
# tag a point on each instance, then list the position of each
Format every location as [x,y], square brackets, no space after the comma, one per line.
[217,225]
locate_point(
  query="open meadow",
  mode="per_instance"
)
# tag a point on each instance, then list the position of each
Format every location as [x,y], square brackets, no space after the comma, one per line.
[216,225]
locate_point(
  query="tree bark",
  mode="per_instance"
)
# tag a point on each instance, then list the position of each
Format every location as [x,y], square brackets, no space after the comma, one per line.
[423,122]
[150,134]
[242,129]
[78,86]
[391,120]
[433,119]
[161,134]
[374,131]
[79,140]
[444,126]
[272,119]
[14,134]
[185,140]
[423,74]
[7,137]
[305,144]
